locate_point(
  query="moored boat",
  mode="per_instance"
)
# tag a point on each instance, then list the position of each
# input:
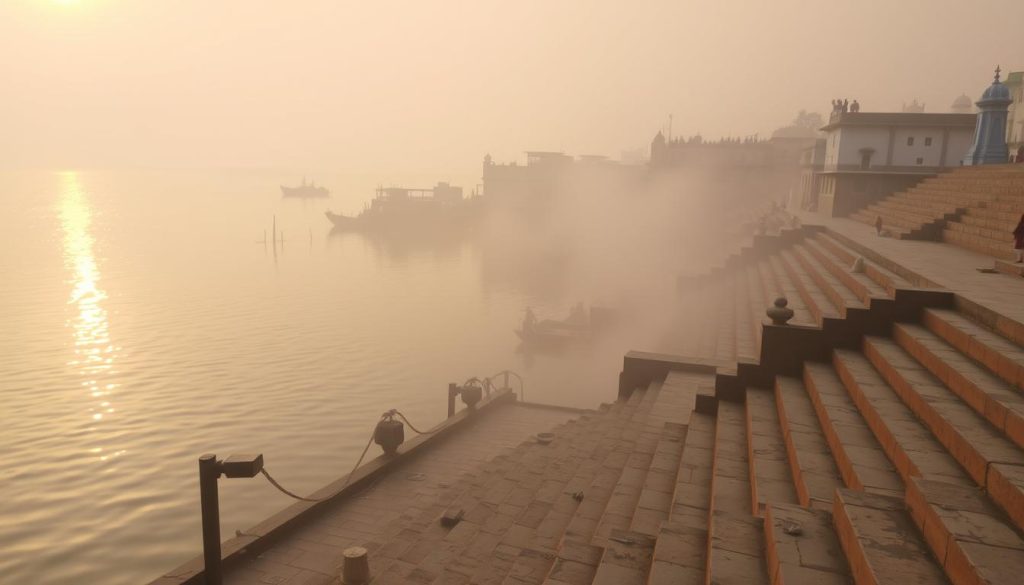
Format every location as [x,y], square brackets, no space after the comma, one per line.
[309,190]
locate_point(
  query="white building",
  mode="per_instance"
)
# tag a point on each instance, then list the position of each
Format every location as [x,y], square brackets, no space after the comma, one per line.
[871,155]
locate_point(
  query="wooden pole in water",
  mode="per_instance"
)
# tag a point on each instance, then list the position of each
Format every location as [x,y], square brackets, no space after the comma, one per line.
[275,229]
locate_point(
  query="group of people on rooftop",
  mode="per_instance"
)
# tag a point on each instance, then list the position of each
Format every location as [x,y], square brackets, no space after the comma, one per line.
[844,105]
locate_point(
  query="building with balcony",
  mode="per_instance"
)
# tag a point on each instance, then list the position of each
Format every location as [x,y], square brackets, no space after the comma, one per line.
[871,155]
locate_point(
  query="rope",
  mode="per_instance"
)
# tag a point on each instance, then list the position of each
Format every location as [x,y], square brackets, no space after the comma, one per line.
[348,479]
[414,429]
[387,415]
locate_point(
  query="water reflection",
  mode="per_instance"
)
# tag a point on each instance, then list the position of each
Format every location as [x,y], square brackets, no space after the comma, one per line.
[93,353]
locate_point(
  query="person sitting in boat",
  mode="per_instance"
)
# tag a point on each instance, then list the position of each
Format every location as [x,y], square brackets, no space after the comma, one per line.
[529,321]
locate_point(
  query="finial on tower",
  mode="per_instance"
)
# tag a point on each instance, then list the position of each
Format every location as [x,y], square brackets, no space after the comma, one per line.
[998,71]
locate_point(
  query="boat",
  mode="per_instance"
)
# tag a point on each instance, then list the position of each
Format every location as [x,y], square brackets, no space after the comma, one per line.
[441,207]
[555,333]
[306,190]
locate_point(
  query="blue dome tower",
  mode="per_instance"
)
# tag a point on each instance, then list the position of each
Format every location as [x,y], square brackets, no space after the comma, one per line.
[990,130]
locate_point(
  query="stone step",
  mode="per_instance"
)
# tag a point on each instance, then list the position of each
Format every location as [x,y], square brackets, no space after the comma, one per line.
[770,476]
[920,215]
[966,533]
[692,496]
[801,546]
[758,300]
[730,486]
[802,315]
[999,402]
[577,562]
[736,550]
[1004,213]
[859,456]
[993,461]
[747,345]
[626,560]
[816,301]
[839,295]
[870,215]
[1006,208]
[735,538]
[813,468]
[881,543]
[908,444]
[860,285]
[978,244]
[655,502]
[678,555]
[541,522]
[880,275]
[582,522]
[472,546]
[996,235]
[1010,268]
[926,207]
[725,343]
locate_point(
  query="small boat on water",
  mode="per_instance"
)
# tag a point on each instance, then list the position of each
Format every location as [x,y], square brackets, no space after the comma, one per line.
[555,333]
[307,190]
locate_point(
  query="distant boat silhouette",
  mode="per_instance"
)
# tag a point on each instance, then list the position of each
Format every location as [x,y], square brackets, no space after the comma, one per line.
[305,190]
[436,209]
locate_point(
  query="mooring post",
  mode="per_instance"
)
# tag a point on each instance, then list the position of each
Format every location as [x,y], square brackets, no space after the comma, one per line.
[209,471]
[453,390]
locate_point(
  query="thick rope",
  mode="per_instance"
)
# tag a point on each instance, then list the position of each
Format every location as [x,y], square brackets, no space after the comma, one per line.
[348,479]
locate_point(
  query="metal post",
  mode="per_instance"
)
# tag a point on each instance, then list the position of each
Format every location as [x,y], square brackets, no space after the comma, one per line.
[453,390]
[209,471]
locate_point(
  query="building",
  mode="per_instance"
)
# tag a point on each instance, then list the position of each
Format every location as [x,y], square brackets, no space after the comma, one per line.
[1015,122]
[531,186]
[870,155]
[962,105]
[812,163]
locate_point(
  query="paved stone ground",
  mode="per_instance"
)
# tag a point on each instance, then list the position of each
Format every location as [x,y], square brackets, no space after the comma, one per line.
[950,266]
[312,554]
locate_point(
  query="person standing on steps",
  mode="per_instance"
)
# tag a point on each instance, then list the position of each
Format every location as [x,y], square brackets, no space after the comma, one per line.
[1018,241]
[878,226]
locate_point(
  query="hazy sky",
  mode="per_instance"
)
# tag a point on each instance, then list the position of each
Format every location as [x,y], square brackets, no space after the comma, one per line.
[431,85]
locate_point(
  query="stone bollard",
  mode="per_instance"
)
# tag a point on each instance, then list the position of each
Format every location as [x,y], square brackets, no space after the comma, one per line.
[356,570]
[780,314]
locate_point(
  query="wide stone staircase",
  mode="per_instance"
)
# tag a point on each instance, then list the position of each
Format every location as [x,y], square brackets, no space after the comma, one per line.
[894,455]
[721,315]
[897,459]
[988,227]
[972,207]
[920,212]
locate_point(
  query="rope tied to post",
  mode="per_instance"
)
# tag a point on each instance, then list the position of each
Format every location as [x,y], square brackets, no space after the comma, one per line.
[387,416]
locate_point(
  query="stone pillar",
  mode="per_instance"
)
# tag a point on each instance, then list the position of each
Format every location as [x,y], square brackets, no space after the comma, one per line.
[990,130]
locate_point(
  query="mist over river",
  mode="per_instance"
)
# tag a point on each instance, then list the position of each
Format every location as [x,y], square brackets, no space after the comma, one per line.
[145,325]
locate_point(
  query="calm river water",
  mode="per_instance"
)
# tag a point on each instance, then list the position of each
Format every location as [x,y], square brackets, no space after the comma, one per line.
[144,326]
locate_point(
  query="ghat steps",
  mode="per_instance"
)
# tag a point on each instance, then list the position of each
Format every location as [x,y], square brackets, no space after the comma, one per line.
[898,459]
[972,207]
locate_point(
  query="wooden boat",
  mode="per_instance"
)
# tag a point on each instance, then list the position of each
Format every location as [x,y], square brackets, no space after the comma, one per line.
[341,221]
[554,333]
[307,190]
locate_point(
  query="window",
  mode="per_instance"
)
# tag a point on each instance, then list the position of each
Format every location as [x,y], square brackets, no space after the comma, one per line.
[928,141]
[910,141]
[920,161]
